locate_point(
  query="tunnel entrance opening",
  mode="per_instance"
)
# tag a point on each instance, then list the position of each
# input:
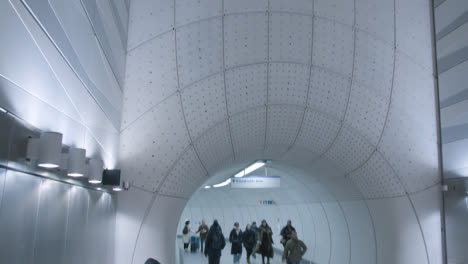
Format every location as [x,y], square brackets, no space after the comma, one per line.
[316,197]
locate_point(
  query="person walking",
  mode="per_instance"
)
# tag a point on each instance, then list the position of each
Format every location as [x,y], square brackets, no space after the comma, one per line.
[214,243]
[203,230]
[286,233]
[265,242]
[248,238]
[186,234]
[294,250]
[235,238]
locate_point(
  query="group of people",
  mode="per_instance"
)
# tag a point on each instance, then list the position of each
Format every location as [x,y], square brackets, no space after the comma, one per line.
[256,240]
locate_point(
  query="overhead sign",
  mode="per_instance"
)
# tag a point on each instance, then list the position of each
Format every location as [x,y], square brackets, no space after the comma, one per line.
[255,182]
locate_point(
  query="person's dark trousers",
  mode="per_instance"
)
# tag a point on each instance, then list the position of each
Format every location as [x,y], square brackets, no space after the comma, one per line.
[263,259]
[214,259]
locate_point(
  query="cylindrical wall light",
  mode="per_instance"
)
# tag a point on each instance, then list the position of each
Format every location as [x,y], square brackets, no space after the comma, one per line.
[50,150]
[95,168]
[76,162]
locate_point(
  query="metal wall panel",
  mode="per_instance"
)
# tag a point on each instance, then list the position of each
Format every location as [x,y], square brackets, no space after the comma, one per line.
[18,216]
[51,222]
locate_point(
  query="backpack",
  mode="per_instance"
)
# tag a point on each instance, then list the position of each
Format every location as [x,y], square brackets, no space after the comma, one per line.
[185,231]
[218,240]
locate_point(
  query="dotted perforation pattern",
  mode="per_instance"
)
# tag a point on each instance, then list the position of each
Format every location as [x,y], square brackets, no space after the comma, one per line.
[366,112]
[248,130]
[204,104]
[283,124]
[292,39]
[245,38]
[411,149]
[376,179]
[214,145]
[149,19]
[338,10]
[187,174]
[350,149]
[151,76]
[240,6]
[246,87]
[409,140]
[288,83]
[377,18]
[153,143]
[318,131]
[296,6]
[373,63]
[199,50]
[188,11]
[413,25]
[333,44]
[329,92]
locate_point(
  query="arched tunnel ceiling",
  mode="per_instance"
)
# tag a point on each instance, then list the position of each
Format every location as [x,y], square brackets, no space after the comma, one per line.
[213,85]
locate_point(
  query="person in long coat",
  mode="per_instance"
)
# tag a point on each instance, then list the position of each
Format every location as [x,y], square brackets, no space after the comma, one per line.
[265,242]
[235,237]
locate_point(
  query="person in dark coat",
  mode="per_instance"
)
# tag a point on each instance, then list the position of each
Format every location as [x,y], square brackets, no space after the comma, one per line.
[286,233]
[235,238]
[248,238]
[214,243]
[265,242]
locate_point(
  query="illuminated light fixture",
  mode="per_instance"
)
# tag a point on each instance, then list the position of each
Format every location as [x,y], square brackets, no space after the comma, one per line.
[95,168]
[240,174]
[255,166]
[76,162]
[50,150]
[3,110]
[224,183]
[98,188]
[117,189]
[207,187]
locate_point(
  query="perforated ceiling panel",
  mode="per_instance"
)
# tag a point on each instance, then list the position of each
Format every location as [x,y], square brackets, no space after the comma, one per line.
[282,127]
[350,150]
[329,92]
[188,11]
[149,19]
[296,6]
[204,104]
[376,17]
[292,39]
[229,82]
[288,83]
[215,145]
[245,38]
[204,58]
[151,76]
[338,10]
[318,131]
[248,131]
[376,179]
[151,145]
[186,176]
[333,46]
[246,87]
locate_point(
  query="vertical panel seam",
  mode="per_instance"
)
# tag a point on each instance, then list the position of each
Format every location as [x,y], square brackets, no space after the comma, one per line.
[224,81]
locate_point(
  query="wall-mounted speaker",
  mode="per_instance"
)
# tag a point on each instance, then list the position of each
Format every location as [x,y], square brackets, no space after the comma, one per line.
[111,177]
